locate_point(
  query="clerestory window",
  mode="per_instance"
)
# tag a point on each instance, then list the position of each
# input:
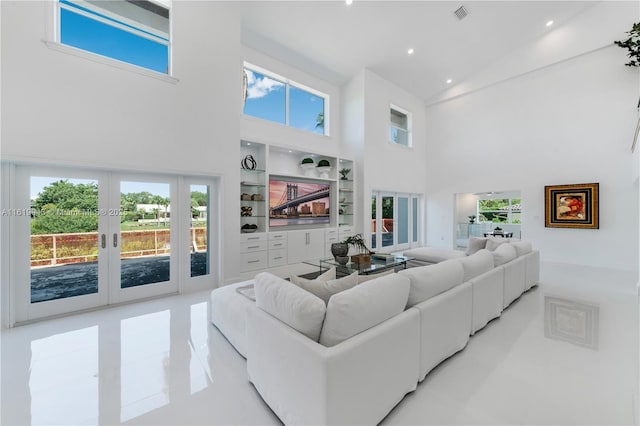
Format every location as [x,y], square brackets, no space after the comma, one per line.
[274,98]
[133,31]
[400,126]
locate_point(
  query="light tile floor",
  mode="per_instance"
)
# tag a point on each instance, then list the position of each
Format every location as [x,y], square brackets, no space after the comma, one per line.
[566,353]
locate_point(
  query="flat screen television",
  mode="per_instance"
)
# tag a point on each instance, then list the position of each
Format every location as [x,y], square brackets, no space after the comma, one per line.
[298,202]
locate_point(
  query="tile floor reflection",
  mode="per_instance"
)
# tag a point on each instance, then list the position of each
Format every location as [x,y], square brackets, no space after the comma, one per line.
[565,353]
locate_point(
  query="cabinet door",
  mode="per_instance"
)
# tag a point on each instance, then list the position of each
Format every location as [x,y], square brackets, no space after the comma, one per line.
[297,246]
[305,245]
[315,248]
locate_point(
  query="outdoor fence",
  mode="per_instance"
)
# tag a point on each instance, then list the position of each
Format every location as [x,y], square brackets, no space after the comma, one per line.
[60,249]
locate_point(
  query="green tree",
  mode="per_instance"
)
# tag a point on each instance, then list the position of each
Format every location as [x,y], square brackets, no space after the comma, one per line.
[200,198]
[64,207]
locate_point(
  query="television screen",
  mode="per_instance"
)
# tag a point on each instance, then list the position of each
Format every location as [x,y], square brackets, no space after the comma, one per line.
[294,202]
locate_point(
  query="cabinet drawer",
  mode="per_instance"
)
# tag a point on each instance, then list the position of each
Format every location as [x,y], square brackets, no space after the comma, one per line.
[331,232]
[252,246]
[277,236]
[277,244]
[277,257]
[245,238]
[346,231]
[253,261]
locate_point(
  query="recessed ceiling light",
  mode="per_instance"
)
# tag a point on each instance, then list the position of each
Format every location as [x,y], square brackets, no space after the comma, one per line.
[248,143]
[549,23]
[449,81]
[290,151]
[348,2]
[410,51]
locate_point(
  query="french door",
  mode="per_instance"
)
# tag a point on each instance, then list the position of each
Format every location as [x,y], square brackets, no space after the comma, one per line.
[394,221]
[87,239]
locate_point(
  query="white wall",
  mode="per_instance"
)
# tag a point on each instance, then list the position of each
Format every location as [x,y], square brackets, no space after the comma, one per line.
[388,166]
[566,123]
[59,108]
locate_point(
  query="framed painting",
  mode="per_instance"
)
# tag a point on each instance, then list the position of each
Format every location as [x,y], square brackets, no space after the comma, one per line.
[571,206]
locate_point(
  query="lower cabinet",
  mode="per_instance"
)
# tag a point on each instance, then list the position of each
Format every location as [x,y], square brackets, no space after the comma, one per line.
[278,242]
[305,245]
[253,252]
[272,249]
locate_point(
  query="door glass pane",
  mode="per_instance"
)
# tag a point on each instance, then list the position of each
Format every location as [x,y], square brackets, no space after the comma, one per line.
[199,230]
[403,220]
[387,221]
[145,237]
[64,237]
[374,223]
[414,202]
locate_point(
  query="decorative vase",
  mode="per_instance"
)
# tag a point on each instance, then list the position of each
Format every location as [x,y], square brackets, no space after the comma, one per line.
[339,250]
[249,163]
[309,169]
[343,260]
[324,171]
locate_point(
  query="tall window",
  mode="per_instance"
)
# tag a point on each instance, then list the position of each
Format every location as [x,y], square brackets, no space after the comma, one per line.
[135,32]
[274,98]
[507,210]
[400,126]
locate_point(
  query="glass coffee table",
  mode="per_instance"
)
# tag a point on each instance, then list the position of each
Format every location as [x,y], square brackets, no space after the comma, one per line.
[374,266]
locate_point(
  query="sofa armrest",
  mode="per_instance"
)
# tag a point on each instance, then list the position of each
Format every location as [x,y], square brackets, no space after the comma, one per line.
[357,381]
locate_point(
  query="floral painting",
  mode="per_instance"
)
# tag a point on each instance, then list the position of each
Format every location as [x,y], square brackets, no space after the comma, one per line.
[572,206]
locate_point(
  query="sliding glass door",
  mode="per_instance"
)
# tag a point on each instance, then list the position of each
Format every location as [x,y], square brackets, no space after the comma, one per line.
[394,221]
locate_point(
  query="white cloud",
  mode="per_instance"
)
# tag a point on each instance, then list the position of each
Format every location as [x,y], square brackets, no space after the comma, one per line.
[260,87]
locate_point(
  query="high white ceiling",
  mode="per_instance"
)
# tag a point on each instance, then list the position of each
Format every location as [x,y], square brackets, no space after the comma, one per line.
[334,41]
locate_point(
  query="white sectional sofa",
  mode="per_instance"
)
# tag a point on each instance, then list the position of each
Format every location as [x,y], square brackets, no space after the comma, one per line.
[352,359]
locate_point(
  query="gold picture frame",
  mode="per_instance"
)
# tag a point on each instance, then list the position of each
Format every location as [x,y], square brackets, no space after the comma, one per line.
[571,206]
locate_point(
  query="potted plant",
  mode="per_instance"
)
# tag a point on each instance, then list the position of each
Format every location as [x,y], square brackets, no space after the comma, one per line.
[344,173]
[632,44]
[307,165]
[497,230]
[359,243]
[324,167]
[340,252]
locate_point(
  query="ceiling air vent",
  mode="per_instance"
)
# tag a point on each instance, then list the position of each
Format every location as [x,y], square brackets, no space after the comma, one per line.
[461,12]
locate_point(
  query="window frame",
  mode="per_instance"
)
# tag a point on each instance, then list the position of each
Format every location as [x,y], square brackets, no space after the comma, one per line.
[509,211]
[288,84]
[54,42]
[408,130]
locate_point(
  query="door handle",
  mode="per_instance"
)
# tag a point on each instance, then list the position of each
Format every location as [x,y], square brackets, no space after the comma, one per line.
[115,239]
[103,241]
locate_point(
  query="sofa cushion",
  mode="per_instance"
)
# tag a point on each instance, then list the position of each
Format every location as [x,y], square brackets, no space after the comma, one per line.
[476,264]
[329,274]
[493,243]
[369,277]
[292,305]
[475,244]
[503,254]
[324,289]
[433,254]
[431,280]
[522,247]
[364,306]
